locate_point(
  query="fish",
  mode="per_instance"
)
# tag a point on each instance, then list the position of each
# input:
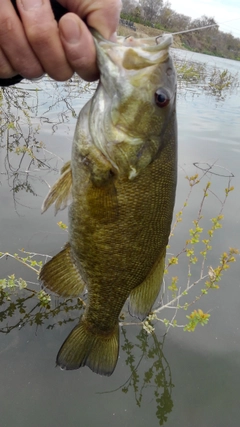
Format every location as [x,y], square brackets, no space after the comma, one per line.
[120,184]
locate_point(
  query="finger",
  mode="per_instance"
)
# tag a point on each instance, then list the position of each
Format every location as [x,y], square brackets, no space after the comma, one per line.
[103,15]
[15,47]
[79,46]
[6,70]
[43,35]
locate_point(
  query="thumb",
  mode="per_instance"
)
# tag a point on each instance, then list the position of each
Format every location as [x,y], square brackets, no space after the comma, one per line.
[105,19]
[79,46]
[103,15]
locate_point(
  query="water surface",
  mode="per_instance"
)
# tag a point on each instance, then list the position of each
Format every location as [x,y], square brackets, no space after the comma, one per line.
[183,379]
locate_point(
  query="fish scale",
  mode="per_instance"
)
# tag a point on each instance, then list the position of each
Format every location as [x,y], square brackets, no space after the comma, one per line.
[122,181]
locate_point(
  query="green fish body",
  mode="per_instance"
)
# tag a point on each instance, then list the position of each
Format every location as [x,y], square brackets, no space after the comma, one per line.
[122,181]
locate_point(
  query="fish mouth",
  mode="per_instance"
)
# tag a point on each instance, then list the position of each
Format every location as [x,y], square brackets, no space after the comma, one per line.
[160,42]
[133,53]
[149,44]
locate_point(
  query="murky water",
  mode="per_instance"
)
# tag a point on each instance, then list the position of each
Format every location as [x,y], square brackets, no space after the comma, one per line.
[183,379]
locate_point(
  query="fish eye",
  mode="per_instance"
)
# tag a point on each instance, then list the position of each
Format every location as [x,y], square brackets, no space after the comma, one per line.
[162,98]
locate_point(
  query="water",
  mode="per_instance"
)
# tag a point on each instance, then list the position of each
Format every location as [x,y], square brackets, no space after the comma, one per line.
[183,379]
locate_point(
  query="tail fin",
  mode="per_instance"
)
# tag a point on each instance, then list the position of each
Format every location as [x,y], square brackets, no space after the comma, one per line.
[97,351]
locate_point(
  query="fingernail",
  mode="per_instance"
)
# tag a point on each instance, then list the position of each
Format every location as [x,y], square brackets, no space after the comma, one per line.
[71,31]
[31,4]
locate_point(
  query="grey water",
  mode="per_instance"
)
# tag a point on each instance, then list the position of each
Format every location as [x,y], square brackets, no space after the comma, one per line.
[184,379]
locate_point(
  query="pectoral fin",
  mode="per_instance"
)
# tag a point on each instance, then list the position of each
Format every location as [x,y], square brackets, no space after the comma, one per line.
[143,296]
[61,192]
[61,275]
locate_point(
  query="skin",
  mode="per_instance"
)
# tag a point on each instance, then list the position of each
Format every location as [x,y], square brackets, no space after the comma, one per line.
[36,44]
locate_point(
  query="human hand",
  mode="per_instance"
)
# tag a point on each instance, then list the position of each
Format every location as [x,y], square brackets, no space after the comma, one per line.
[36,44]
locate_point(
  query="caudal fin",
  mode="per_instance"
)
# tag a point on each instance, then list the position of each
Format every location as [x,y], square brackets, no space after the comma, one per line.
[84,348]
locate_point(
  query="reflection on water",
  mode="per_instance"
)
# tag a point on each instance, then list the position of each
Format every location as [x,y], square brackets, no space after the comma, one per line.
[35,119]
[156,378]
[32,308]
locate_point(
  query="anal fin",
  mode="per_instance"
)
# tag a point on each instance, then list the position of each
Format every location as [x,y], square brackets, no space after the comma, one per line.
[61,275]
[143,296]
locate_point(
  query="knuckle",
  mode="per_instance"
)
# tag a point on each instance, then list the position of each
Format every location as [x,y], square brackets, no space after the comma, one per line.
[80,63]
[27,66]
[84,67]
[6,26]
[40,36]
[78,59]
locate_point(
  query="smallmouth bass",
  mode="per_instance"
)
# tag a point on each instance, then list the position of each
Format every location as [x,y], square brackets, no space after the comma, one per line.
[122,181]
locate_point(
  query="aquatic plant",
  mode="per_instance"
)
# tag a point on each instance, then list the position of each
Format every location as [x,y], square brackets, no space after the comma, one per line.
[23,108]
[190,71]
[208,79]
[20,137]
[222,82]
[175,295]
[155,378]
[197,248]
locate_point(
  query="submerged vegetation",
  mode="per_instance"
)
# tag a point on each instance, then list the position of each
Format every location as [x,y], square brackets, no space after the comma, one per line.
[175,295]
[212,81]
